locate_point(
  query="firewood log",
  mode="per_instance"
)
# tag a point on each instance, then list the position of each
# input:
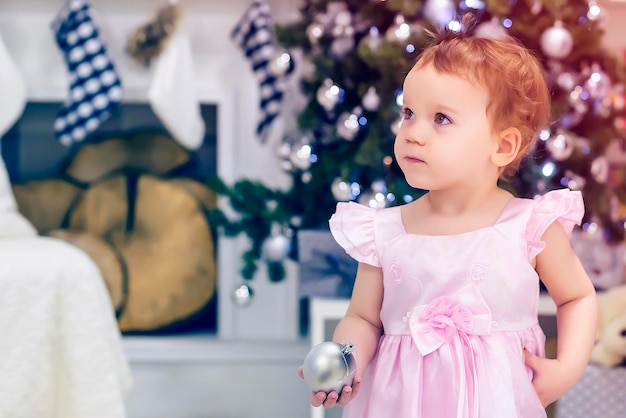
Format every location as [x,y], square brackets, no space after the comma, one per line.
[45,202]
[165,240]
[144,152]
[105,257]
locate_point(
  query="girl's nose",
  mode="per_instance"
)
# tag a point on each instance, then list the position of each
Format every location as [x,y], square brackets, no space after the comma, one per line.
[413,132]
[414,137]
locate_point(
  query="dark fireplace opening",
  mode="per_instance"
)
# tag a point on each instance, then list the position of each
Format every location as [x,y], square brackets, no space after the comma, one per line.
[31,153]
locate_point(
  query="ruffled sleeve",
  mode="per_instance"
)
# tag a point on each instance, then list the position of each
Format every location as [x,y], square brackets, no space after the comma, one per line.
[565,206]
[352,226]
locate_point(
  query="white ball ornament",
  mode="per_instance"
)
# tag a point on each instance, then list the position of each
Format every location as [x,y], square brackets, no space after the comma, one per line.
[491,29]
[567,80]
[441,11]
[329,366]
[281,64]
[600,169]
[371,100]
[560,146]
[242,295]
[276,247]
[342,190]
[314,32]
[348,125]
[556,42]
[598,85]
[300,157]
[328,94]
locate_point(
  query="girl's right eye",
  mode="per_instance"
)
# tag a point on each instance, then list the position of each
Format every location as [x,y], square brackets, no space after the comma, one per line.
[406,113]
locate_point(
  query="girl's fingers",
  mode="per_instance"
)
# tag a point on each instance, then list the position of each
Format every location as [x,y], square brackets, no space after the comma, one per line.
[530,359]
[300,372]
[346,395]
[331,399]
[317,399]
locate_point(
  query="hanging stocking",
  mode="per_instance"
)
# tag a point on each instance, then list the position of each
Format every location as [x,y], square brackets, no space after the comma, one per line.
[172,93]
[13,88]
[95,87]
[253,34]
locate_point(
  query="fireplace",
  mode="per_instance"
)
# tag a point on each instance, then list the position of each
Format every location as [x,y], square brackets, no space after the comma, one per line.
[32,154]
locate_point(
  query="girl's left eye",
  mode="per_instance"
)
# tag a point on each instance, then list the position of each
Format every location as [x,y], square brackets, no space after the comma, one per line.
[441,119]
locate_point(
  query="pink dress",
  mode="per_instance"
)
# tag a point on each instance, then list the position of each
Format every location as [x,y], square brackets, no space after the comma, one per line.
[458,310]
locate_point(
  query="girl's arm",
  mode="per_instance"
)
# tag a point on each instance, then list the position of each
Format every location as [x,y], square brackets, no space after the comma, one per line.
[561,271]
[361,326]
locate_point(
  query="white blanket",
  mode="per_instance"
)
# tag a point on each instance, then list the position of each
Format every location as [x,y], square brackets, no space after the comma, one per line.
[60,347]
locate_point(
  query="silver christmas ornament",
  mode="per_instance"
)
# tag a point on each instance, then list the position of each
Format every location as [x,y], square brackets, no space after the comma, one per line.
[567,80]
[556,42]
[242,295]
[600,169]
[491,29]
[329,366]
[399,31]
[328,94]
[441,11]
[300,157]
[314,32]
[342,190]
[276,247]
[348,125]
[281,64]
[598,84]
[371,99]
[560,146]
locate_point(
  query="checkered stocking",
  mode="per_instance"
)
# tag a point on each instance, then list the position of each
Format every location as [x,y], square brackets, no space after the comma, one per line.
[95,87]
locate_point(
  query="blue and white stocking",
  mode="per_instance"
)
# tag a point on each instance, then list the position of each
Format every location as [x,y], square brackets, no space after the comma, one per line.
[253,34]
[95,87]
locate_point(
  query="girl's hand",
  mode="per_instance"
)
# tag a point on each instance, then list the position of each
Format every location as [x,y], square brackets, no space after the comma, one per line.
[333,399]
[549,378]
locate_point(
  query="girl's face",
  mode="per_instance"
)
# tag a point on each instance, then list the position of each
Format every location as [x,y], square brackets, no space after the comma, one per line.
[445,139]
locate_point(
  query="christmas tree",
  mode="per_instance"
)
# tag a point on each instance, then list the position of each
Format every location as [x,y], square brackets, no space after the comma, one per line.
[355,55]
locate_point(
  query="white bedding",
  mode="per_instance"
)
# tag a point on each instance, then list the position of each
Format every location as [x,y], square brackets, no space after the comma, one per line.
[60,347]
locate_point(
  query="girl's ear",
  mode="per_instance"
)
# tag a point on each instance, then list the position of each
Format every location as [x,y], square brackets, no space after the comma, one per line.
[508,146]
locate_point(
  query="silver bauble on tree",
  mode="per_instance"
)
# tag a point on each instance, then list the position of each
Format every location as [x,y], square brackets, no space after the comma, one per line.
[348,124]
[342,190]
[556,42]
[441,11]
[329,366]
[598,85]
[242,295]
[371,100]
[281,64]
[492,29]
[276,247]
[560,146]
[328,94]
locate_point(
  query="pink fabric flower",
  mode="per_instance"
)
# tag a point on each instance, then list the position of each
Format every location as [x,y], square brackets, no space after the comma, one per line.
[438,322]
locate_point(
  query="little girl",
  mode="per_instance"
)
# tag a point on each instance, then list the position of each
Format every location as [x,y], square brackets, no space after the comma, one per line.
[443,313]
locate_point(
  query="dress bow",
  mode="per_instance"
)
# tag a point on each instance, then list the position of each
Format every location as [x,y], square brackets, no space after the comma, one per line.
[445,317]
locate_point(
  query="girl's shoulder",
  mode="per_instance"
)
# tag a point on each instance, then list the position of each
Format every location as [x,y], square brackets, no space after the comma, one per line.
[360,229]
[564,206]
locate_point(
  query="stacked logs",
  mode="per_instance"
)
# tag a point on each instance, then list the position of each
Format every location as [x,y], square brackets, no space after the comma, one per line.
[146,229]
